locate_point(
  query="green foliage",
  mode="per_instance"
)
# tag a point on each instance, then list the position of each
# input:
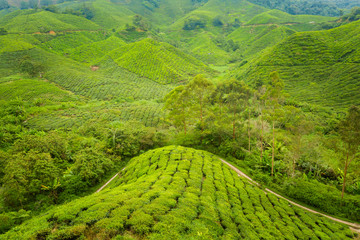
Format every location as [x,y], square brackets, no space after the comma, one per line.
[11,219]
[354,15]
[3,31]
[194,23]
[4,5]
[91,165]
[182,193]
[324,197]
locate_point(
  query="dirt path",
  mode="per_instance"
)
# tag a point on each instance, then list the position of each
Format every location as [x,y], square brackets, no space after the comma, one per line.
[107,183]
[353,226]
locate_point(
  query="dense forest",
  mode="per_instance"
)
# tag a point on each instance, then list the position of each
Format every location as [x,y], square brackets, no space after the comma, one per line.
[179,100]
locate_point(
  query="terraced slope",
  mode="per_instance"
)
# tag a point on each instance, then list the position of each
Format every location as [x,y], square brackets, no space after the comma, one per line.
[10,43]
[160,62]
[109,82]
[320,67]
[63,43]
[257,38]
[31,21]
[92,52]
[32,89]
[147,112]
[179,193]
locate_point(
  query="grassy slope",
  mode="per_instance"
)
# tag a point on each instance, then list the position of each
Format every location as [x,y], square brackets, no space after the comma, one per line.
[179,193]
[31,21]
[160,62]
[320,67]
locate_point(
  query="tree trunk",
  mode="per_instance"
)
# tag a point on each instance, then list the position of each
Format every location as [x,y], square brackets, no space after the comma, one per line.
[184,120]
[273,151]
[261,138]
[201,121]
[233,123]
[249,133]
[185,127]
[345,172]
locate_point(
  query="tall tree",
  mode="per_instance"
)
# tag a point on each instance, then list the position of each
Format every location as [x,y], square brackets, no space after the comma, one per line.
[200,89]
[274,96]
[178,104]
[298,125]
[234,96]
[349,130]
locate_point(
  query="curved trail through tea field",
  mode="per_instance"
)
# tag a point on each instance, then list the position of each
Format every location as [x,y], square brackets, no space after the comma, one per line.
[353,226]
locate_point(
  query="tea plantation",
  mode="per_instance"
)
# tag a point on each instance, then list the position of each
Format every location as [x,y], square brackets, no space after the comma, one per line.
[179,193]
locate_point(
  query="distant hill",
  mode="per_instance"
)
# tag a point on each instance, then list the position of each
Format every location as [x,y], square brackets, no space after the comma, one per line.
[296,7]
[319,67]
[179,193]
[160,62]
[31,21]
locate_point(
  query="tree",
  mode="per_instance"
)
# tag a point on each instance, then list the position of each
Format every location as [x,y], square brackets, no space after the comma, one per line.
[24,5]
[141,23]
[91,165]
[235,95]
[349,130]
[33,4]
[45,3]
[298,125]
[33,68]
[177,102]
[4,4]
[274,96]
[217,22]
[193,23]
[200,90]
[3,31]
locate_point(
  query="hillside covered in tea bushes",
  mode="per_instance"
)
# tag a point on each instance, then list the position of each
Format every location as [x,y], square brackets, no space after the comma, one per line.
[177,192]
[90,89]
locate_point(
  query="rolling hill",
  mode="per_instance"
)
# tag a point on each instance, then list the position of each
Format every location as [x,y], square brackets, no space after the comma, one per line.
[320,67]
[160,62]
[32,21]
[179,193]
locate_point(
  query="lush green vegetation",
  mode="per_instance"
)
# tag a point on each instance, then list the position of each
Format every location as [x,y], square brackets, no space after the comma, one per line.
[318,67]
[86,86]
[177,192]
